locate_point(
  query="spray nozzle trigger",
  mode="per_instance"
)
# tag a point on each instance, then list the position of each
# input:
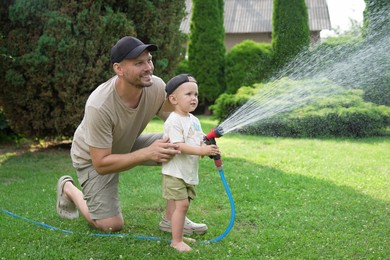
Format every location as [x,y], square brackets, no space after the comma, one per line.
[210,139]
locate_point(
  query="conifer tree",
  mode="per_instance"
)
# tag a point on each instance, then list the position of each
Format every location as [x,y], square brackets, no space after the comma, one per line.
[206,50]
[291,33]
[376,31]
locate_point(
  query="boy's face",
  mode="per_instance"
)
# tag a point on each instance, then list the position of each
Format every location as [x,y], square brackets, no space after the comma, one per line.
[185,98]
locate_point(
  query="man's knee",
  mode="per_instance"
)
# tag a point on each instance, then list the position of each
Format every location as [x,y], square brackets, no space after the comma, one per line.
[111,224]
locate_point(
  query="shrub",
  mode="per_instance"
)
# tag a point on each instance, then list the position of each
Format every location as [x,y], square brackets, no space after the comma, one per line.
[56,52]
[6,133]
[227,103]
[247,63]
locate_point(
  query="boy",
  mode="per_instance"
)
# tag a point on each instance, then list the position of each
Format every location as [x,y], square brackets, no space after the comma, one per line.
[180,175]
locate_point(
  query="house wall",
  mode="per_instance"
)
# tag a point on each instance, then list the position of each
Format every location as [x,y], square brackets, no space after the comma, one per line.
[232,39]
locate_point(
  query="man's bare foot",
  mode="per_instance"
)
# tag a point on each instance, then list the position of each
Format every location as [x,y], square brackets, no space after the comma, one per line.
[181,247]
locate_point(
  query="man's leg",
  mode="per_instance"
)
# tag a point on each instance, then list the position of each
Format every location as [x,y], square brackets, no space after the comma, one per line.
[98,202]
[145,140]
[72,193]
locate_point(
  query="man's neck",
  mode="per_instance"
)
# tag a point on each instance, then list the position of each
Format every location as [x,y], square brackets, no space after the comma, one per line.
[129,94]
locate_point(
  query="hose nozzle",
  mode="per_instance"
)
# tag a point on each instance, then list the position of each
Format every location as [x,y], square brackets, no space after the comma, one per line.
[210,139]
[215,133]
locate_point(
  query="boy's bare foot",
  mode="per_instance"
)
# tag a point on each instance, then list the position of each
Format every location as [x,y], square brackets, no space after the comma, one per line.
[189,240]
[181,247]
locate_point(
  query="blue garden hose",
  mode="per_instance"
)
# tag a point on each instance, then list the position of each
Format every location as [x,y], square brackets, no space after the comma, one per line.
[232,208]
[220,237]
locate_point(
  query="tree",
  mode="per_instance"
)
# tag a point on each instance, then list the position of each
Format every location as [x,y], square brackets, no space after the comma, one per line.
[206,50]
[291,33]
[54,53]
[376,32]
[376,18]
[158,22]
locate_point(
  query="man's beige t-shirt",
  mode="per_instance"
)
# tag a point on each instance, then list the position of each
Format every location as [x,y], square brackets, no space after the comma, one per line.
[109,123]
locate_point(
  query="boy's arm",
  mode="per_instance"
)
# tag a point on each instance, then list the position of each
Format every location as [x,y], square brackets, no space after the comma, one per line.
[202,150]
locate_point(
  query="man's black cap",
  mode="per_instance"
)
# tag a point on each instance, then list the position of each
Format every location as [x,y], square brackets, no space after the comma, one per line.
[176,81]
[129,47]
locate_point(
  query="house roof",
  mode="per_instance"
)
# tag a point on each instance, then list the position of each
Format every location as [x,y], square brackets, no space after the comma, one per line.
[255,16]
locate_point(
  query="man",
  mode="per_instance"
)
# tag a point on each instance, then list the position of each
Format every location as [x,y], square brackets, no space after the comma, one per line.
[109,140]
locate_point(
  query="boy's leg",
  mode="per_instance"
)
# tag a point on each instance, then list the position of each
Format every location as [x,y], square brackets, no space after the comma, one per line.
[177,220]
[169,209]
[189,226]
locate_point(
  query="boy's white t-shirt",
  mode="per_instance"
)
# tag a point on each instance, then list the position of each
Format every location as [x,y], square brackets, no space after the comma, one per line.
[183,129]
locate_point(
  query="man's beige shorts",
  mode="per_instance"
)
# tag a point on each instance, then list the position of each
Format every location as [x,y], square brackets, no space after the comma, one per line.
[176,189]
[101,191]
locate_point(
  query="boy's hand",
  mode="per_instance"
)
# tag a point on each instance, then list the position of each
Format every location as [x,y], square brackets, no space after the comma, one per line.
[210,150]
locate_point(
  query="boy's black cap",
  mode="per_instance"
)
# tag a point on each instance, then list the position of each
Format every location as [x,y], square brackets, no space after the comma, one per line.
[129,47]
[176,81]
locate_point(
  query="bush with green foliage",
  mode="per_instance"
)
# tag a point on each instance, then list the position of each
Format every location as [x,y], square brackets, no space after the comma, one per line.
[334,50]
[228,103]
[158,22]
[54,54]
[247,63]
[6,133]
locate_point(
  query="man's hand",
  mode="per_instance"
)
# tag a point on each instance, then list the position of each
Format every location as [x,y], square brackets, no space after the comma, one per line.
[105,162]
[162,151]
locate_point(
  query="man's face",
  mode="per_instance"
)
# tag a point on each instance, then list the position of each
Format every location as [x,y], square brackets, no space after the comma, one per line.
[138,71]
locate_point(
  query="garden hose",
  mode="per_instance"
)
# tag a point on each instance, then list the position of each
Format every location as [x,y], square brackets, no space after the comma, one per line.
[68,232]
[218,163]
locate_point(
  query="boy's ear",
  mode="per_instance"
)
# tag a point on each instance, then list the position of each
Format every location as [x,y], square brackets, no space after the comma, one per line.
[172,99]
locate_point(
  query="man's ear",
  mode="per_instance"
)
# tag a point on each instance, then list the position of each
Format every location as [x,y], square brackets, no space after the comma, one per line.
[118,69]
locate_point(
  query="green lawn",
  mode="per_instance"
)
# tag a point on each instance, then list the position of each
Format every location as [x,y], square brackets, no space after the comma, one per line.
[294,198]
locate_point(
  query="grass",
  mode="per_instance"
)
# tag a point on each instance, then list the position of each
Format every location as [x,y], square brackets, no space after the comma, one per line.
[295,198]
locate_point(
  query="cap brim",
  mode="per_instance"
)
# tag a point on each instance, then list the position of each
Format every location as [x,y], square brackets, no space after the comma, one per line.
[140,49]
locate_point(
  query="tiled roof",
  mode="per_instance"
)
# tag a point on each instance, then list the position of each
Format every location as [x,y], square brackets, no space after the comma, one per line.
[255,16]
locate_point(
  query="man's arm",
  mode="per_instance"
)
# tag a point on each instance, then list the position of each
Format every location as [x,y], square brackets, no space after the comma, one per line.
[105,162]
